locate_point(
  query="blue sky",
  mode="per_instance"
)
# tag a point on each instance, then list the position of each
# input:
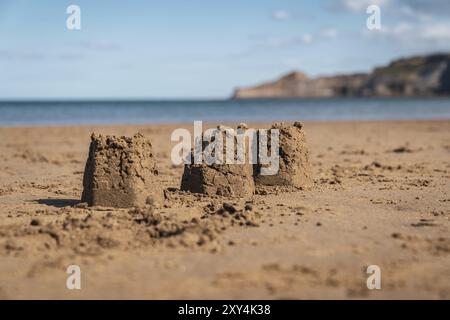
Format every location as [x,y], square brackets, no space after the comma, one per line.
[201,48]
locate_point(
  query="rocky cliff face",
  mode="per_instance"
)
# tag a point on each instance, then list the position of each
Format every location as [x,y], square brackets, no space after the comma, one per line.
[416,76]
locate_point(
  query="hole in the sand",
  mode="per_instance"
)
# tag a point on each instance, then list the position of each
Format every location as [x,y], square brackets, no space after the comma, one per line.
[59,203]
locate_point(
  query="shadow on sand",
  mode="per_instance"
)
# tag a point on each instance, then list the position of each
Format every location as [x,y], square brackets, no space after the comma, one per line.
[59,203]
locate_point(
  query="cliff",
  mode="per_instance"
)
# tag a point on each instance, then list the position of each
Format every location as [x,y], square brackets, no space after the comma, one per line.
[415,76]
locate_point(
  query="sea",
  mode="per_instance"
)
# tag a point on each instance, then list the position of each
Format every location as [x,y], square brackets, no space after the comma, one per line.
[49,113]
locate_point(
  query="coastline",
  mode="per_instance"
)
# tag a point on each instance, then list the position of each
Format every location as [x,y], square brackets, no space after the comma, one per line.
[162,112]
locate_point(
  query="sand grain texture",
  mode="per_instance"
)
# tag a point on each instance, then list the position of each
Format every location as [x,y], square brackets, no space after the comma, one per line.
[294,168]
[121,172]
[380,194]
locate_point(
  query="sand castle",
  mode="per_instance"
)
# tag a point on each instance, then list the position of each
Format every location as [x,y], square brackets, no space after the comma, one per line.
[230,180]
[294,169]
[121,172]
[238,180]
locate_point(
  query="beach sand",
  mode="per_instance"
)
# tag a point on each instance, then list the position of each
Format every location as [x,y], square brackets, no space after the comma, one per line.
[381,196]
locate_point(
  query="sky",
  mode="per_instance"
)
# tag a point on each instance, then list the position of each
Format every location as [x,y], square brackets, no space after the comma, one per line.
[175,49]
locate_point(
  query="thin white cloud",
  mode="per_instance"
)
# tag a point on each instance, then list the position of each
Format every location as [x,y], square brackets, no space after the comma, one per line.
[101,46]
[290,41]
[8,54]
[357,5]
[280,15]
[30,55]
[416,9]
[436,32]
[329,33]
[306,38]
[425,7]
[408,11]
[431,35]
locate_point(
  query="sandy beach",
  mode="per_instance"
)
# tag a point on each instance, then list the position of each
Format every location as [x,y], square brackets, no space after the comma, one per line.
[381,196]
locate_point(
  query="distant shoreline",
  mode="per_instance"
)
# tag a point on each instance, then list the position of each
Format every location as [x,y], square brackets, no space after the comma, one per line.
[137,112]
[407,77]
[27,113]
[215,100]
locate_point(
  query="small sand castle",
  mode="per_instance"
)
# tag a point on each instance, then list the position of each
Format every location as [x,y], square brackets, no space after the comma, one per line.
[294,167]
[229,180]
[121,172]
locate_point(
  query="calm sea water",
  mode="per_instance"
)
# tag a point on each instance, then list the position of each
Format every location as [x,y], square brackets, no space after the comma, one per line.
[136,112]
